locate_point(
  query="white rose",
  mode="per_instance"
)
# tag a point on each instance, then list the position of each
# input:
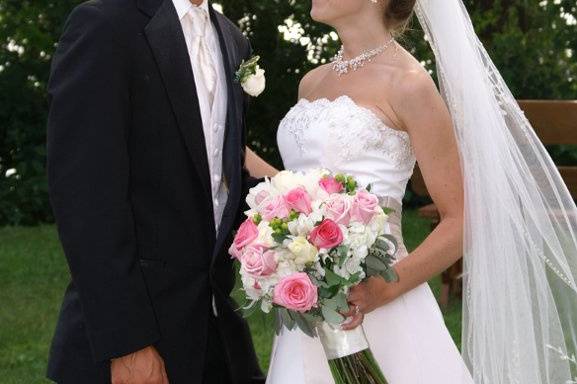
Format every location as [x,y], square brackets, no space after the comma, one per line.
[251,287]
[255,84]
[379,223]
[303,225]
[285,181]
[265,234]
[260,194]
[311,183]
[305,252]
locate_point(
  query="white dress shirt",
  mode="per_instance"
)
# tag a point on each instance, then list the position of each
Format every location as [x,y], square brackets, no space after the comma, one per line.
[213,116]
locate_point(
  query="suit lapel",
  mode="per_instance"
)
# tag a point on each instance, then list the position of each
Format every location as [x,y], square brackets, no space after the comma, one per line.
[166,39]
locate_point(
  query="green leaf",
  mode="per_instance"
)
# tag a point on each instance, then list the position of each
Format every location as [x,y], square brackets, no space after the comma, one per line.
[303,324]
[342,252]
[390,275]
[354,278]
[249,311]
[388,210]
[328,292]
[332,316]
[279,237]
[341,302]
[286,318]
[331,303]
[332,278]
[313,318]
[375,263]
[278,321]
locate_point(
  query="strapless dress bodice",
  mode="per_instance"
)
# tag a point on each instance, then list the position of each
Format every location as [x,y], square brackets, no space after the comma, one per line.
[344,137]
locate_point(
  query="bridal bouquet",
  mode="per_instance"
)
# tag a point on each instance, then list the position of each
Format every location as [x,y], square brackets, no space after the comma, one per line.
[308,238]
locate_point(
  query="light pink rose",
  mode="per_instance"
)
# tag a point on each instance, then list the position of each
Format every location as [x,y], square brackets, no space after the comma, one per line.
[247,233]
[275,207]
[337,208]
[296,292]
[299,200]
[364,207]
[330,185]
[326,235]
[257,260]
[261,197]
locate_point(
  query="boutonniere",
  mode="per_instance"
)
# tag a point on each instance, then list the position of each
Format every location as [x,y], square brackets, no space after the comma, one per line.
[251,76]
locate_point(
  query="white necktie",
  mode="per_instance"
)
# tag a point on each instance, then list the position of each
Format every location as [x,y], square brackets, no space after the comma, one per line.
[198,23]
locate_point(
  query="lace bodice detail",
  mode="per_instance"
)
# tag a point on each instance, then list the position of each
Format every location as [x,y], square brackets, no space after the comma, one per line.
[343,136]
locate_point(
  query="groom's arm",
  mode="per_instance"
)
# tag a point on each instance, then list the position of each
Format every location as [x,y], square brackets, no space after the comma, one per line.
[88,170]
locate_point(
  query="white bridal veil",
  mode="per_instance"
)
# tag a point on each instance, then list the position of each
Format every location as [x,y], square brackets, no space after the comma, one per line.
[520,253]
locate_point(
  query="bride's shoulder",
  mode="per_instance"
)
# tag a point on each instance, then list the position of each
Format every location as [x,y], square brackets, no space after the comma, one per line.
[409,84]
[409,77]
[312,78]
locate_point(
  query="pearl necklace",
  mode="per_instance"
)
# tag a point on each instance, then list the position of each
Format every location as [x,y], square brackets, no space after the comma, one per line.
[342,66]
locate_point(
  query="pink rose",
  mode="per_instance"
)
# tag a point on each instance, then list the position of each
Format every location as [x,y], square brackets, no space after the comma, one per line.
[337,208]
[364,207]
[326,235]
[247,233]
[330,185]
[257,260]
[261,197]
[296,292]
[275,207]
[299,200]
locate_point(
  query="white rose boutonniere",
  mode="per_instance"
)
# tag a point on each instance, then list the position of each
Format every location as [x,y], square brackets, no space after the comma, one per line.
[251,77]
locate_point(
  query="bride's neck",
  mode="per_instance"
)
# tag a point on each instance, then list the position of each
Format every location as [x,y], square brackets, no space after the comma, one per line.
[359,37]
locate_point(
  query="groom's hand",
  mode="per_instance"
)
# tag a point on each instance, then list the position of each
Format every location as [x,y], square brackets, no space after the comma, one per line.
[141,367]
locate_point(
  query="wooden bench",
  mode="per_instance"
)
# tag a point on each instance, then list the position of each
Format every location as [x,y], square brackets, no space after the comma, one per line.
[555,122]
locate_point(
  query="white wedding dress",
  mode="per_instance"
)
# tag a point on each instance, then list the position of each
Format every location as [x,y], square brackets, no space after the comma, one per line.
[408,337]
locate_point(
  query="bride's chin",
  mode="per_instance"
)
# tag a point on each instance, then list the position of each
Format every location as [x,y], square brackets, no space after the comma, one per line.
[320,11]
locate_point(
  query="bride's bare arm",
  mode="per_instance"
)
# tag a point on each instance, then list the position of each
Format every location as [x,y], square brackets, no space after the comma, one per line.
[428,122]
[257,167]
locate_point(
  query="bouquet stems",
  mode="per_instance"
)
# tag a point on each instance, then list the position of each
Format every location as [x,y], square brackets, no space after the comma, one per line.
[349,356]
[358,368]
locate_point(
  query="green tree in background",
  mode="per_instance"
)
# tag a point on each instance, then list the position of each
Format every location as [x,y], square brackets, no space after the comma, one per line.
[533,43]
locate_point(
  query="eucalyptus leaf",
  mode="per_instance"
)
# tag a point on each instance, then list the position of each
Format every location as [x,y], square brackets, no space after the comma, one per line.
[332,278]
[304,325]
[341,301]
[375,263]
[332,316]
[287,320]
[331,303]
[278,322]
[390,275]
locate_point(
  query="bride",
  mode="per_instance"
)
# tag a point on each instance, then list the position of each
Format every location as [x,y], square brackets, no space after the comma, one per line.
[373,113]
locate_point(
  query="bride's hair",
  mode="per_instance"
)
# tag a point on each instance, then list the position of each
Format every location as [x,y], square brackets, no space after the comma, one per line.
[398,13]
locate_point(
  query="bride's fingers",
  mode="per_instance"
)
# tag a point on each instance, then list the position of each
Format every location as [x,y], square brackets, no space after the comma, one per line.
[354,322]
[354,309]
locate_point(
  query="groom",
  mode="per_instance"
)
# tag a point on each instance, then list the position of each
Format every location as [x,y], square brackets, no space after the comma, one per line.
[146,141]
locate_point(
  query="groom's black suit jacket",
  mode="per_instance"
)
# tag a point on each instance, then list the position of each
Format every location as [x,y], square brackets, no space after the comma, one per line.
[130,188]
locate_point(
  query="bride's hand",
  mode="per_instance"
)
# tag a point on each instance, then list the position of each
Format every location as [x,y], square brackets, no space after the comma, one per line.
[365,298]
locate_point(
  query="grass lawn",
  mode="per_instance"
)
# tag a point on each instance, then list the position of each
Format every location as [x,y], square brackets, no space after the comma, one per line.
[33,275]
